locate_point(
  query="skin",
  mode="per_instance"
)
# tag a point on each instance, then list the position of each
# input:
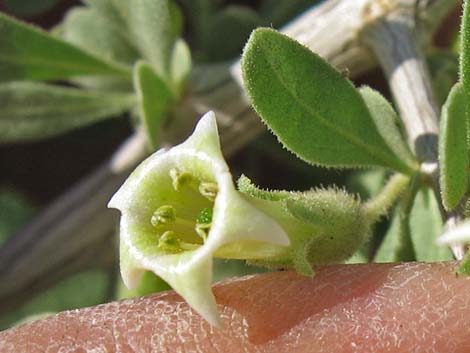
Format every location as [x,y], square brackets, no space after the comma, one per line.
[411,307]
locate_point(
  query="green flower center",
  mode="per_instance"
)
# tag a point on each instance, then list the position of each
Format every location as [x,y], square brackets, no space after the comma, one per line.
[185,225]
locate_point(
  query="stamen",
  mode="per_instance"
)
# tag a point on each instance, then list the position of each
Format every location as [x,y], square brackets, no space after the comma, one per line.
[208,190]
[169,242]
[203,230]
[179,178]
[164,215]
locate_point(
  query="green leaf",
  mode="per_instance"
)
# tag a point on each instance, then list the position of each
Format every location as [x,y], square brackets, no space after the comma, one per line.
[115,11]
[388,125]
[443,67]
[464,266]
[465,49]
[228,31]
[426,225]
[150,283]
[31,111]
[155,100]
[314,111]
[234,268]
[359,257]
[180,65]
[453,148]
[153,26]
[15,212]
[28,8]
[397,245]
[28,53]
[199,14]
[279,12]
[90,30]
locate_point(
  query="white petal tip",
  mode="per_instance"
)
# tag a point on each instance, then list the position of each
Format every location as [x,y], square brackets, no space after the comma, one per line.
[207,122]
[460,234]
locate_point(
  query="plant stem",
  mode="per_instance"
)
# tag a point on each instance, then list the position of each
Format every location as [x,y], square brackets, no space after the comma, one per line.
[379,205]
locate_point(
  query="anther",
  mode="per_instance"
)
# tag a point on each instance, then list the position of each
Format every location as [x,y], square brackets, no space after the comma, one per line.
[169,242]
[179,178]
[208,190]
[164,215]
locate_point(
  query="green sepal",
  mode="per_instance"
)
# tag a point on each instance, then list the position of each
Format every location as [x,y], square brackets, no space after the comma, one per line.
[323,119]
[342,226]
[325,226]
[246,186]
[453,148]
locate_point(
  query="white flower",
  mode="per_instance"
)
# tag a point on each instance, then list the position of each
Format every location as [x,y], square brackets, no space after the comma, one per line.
[180,209]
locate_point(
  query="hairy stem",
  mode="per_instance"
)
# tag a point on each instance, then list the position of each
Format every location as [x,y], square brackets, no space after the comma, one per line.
[380,205]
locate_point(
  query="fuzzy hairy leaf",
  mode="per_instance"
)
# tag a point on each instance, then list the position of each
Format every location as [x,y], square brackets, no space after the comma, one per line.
[31,111]
[314,111]
[465,49]
[180,65]
[27,52]
[155,25]
[388,125]
[453,148]
[155,98]
[426,225]
[90,30]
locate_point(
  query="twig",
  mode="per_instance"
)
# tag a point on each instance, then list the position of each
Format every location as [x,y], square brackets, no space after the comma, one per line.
[394,37]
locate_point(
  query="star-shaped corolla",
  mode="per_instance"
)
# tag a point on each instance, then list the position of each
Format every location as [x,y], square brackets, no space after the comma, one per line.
[180,209]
